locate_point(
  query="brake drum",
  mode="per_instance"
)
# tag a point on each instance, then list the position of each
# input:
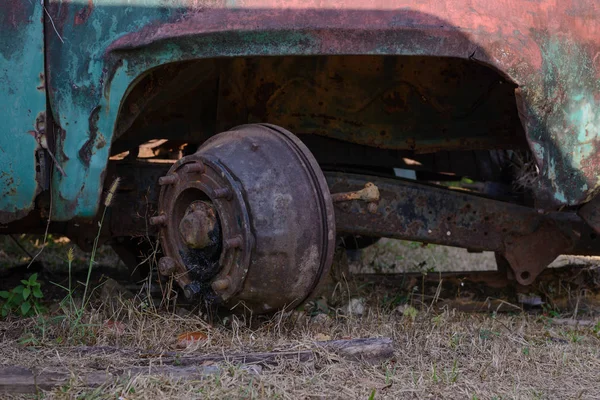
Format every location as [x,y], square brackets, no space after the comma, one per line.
[247,219]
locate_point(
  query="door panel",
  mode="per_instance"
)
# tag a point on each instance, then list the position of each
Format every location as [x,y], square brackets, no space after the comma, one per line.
[22,104]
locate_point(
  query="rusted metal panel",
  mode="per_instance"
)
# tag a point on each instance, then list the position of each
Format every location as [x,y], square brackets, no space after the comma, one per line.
[421,104]
[98,48]
[22,105]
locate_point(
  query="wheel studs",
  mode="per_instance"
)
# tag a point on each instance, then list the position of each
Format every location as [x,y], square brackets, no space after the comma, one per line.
[196,167]
[221,284]
[168,180]
[233,243]
[158,220]
[221,193]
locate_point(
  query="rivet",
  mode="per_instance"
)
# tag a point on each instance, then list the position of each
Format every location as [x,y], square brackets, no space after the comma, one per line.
[158,220]
[254,147]
[168,180]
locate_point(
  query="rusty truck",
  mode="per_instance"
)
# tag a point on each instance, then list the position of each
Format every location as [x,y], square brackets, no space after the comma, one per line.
[253,137]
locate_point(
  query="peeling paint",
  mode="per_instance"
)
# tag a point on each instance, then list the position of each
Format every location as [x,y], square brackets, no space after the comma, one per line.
[22,101]
[548,48]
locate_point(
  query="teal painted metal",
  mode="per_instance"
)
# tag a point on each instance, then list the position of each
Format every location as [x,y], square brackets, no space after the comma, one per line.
[22,105]
[550,49]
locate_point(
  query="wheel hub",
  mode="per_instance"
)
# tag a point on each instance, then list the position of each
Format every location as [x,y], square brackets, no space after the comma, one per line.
[247,218]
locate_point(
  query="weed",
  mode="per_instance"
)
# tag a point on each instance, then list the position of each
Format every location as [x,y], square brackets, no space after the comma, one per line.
[411,313]
[372,396]
[574,336]
[486,334]
[73,310]
[434,376]
[24,298]
[392,301]
[389,373]
[453,376]
[454,341]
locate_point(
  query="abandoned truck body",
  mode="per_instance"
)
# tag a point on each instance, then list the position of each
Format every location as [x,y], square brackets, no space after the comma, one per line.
[250,136]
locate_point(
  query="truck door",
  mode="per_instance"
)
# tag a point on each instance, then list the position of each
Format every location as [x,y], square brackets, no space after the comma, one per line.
[22,104]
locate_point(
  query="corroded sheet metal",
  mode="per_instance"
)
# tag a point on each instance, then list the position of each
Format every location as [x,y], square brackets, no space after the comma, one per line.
[530,241]
[22,104]
[417,103]
[549,48]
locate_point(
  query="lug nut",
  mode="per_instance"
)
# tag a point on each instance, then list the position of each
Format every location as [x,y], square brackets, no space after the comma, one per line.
[168,180]
[192,290]
[221,284]
[158,220]
[233,243]
[222,193]
[167,266]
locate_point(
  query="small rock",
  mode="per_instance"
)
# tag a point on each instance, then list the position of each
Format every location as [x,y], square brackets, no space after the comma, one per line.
[356,306]
[322,320]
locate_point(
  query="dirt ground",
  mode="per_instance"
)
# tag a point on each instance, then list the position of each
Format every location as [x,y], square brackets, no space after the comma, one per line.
[437,353]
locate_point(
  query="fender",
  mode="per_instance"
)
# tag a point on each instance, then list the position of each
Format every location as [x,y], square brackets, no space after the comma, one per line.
[97,49]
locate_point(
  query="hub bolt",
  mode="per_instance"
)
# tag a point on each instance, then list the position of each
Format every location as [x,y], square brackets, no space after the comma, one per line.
[221,284]
[168,180]
[195,167]
[158,220]
[222,193]
[233,243]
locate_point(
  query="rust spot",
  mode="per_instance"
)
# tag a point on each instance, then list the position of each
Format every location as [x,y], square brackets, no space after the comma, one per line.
[82,15]
[14,14]
[85,153]
[101,142]
[263,94]
[42,85]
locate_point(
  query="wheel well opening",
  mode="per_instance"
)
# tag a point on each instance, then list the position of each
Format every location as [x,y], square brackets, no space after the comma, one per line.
[438,116]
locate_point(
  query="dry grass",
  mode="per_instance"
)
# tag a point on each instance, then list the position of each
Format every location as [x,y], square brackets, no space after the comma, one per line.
[445,354]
